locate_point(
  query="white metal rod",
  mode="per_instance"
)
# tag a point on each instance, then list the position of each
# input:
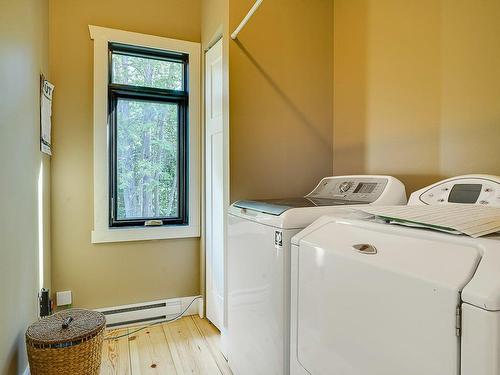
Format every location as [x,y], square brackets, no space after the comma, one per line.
[250,13]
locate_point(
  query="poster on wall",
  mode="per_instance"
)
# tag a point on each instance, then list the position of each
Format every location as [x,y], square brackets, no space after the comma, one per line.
[46,91]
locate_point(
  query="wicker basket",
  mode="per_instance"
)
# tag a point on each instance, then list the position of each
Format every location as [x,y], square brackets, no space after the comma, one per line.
[68,342]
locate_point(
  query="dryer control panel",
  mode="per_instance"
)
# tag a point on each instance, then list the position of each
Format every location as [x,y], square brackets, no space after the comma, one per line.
[469,189]
[360,189]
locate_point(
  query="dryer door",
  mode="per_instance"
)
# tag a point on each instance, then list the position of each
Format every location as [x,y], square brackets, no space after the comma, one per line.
[375,299]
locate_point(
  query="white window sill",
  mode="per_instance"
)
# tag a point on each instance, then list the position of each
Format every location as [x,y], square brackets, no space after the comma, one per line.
[144,234]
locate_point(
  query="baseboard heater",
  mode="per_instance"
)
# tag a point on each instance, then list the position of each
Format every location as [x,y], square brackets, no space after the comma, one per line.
[149,312]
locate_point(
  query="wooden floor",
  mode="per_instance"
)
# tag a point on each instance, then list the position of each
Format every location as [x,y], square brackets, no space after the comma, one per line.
[187,346]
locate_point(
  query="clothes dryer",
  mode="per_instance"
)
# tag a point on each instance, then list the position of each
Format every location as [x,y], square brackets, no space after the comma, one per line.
[369,298]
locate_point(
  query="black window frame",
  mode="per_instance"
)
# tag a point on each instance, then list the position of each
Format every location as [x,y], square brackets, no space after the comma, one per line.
[180,98]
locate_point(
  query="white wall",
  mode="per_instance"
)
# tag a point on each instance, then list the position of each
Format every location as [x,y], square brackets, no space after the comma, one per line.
[23,56]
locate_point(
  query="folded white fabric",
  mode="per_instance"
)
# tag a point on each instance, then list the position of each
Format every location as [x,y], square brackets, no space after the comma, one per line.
[469,219]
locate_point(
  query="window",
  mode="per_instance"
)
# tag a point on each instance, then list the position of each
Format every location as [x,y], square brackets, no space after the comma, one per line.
[148,107]
[146,137]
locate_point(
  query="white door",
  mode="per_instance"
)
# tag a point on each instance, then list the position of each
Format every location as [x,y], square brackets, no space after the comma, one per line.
[214,177]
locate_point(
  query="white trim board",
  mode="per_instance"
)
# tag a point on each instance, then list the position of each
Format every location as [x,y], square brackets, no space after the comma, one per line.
[102,232]
[150,312]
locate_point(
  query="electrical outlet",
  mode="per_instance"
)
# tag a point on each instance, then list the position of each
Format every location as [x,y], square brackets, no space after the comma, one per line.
[63,298]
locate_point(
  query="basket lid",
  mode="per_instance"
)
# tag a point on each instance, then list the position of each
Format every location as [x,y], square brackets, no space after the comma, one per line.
[66,327]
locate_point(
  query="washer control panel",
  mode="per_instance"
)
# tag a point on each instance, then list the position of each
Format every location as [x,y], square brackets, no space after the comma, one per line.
[350,188]
[470,189]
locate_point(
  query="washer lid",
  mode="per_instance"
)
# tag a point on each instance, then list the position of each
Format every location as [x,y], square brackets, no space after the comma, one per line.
[379,299]
[279,206]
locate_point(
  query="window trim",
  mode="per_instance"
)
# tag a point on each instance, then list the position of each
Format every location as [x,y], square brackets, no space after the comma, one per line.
[103,232]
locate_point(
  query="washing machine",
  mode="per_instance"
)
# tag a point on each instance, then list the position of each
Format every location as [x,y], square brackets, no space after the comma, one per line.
[259,240]
[370,298]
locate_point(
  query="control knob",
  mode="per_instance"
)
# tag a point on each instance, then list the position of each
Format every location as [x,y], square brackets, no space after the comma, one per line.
[345,186]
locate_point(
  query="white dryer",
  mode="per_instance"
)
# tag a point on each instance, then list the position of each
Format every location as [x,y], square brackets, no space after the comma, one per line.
[259,241]
[370,298]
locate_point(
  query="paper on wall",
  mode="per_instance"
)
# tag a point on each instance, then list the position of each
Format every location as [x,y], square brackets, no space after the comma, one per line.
[47,89]
[472,220]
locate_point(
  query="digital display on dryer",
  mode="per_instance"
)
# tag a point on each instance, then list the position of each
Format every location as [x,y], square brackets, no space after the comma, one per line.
[465,193]
[365,187]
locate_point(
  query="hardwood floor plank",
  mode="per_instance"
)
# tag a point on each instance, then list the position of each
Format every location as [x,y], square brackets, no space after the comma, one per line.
[212,336]
[194,354]
[135,359]
[150,353]
[115,354]
[205,355]
[173,350]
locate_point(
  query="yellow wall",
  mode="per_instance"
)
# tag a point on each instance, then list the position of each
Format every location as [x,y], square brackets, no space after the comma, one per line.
[106,274]
[281,71]
[213,20]
[23,56]
[470,81]
[416,88]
